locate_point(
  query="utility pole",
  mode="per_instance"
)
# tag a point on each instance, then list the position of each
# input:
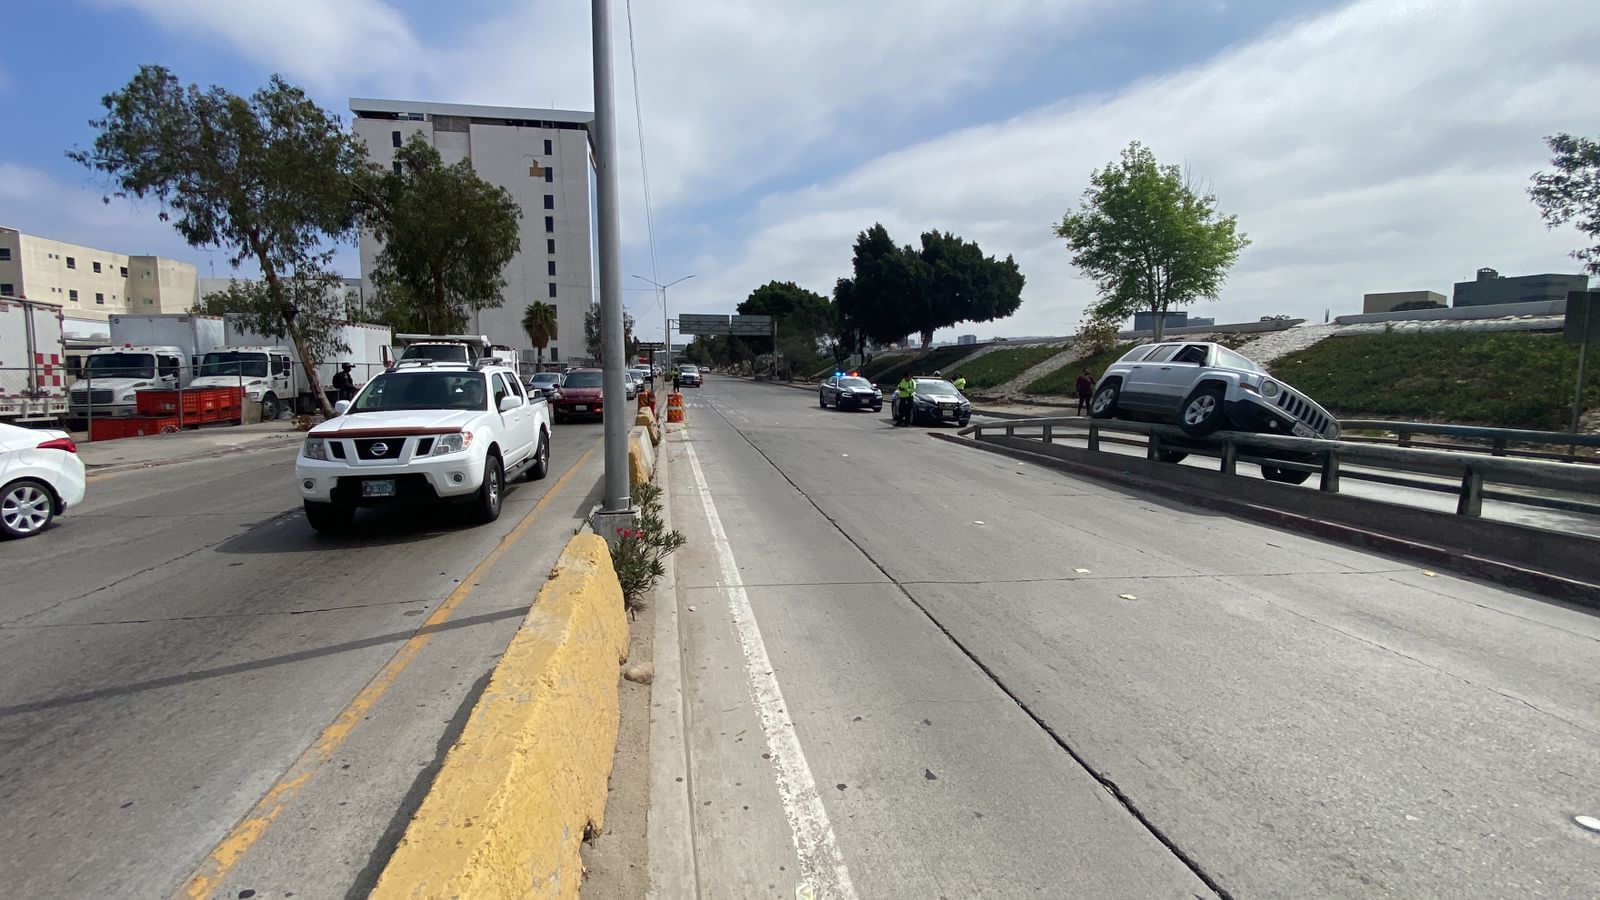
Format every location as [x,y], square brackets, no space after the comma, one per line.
[666,323]
[617,497]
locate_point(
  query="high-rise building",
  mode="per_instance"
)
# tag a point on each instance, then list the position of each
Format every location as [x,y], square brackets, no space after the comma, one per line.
[542,158]
[92,284]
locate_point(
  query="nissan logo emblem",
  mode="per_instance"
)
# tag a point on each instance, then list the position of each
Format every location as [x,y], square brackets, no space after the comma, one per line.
[380,449]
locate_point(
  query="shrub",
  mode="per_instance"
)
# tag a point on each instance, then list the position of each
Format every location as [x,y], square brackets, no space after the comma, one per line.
[639,554]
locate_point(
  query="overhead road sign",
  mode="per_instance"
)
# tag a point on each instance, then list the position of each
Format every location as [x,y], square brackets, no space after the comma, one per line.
[752,326]
[696,323]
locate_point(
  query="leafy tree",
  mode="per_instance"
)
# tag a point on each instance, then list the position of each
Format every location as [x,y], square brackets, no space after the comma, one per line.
[1571,194]
[963,285]
[1149,239]
[307,290]
[271,178]
[447,236]
[539,321]
[591,334]
[804,320]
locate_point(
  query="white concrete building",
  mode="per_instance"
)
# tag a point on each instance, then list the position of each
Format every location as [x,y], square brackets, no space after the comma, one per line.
[540,156]
[88,283]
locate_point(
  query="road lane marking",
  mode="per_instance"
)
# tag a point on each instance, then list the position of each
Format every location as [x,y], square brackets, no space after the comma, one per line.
[822,866]
[227,853]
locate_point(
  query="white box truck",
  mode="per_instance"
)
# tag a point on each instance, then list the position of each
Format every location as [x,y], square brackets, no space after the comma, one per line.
[147,353]
[269,369]
[33,362]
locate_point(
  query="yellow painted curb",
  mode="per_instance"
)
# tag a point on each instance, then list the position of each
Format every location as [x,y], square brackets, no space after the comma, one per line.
[507,812]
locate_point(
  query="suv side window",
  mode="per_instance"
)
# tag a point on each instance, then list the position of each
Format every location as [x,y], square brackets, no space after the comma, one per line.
[1194,355]
[1162,353]
[1137,354]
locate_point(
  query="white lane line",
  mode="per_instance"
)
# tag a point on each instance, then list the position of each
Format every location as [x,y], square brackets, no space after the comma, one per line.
[821,864]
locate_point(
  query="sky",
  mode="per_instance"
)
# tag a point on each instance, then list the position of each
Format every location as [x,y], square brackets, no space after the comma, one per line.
[1377,145]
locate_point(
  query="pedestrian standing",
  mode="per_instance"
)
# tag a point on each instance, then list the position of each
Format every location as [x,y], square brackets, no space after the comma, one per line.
[1085,388]
[344,383]
[903,392]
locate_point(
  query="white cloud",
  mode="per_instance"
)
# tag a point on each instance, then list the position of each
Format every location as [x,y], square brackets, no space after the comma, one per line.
[322,43]
[1383,147]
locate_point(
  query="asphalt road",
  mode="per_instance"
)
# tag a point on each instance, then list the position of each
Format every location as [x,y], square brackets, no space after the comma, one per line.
[914,670]
[194,682]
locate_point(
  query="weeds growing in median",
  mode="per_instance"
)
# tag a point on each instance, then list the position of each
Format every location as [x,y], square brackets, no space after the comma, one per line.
[639,554]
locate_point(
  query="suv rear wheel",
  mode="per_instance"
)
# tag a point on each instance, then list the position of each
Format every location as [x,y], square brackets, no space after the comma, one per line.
[1104,404]
[1285,476]
[1202,412]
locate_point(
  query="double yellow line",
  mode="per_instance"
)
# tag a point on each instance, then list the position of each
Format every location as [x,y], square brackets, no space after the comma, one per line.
[232,848]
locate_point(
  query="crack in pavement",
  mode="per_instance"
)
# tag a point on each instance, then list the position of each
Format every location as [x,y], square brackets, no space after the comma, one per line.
[201,618]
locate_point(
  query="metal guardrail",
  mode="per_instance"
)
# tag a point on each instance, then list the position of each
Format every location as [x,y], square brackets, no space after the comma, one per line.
[1498,441]
[1469,473]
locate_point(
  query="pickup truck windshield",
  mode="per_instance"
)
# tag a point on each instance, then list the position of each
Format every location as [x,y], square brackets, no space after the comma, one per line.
[121,365]
[423,390]
[248,365]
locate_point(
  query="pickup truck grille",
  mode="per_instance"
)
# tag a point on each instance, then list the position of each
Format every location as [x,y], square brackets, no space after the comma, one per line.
[1303,410]
[93,396]
[380,448]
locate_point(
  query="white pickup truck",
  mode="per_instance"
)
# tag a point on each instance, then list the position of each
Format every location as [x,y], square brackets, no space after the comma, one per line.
[424,432]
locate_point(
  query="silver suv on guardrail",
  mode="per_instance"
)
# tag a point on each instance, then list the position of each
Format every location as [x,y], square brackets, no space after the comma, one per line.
[1203,388]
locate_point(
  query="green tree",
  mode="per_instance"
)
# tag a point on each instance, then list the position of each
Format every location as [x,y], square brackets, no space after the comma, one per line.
[447,236]
[539,321]
[271,179]
[1571,194]
[804,321]
[963,285]
[592,340]
[1149,239]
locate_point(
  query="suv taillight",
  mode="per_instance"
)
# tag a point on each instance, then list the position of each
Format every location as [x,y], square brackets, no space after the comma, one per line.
[65,443]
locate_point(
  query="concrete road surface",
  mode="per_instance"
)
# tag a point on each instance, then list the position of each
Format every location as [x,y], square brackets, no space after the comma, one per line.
[913,670]
[198,693]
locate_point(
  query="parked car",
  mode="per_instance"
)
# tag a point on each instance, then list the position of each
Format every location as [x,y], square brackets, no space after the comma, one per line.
[582,395]
[688,376]
[1203,388]
[424,433]
[849,392]
[644,374]
[545,383]
[41,477]
[935,400]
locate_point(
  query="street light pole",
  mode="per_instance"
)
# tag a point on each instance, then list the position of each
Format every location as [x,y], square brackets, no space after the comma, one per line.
[617,497]
[666,323]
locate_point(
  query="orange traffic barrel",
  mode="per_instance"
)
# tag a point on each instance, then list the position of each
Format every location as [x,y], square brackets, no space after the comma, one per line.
[674,407]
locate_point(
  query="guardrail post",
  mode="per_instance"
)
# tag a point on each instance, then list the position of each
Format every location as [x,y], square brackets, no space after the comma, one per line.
[1230,458]
[1330,472]
[1094,438]
[1153,451]
[1471,502]
[1499,446]
[1403,438]
[1011,431]
[1048,433]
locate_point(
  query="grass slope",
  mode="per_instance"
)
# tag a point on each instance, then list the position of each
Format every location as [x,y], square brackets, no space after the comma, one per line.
[889,370]
[1063,381]
[1000,366]
[1504,379]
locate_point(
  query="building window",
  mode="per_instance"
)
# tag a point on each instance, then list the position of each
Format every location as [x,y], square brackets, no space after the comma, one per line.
[549,201]
[73,296]
[550,224]
[96,265]
[397,167]
[552,287]
[549,147]
[9,290]
[550,244]
[549,175]
[100,299]
[72,263]
[555,355]
[149,302]
[552,268]
[124,271]
[146,273]
[5,253]
[394,138]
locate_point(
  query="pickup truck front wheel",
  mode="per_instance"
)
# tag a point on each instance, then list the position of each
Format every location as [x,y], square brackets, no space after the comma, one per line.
[329,518]
[486,502]
[541,457]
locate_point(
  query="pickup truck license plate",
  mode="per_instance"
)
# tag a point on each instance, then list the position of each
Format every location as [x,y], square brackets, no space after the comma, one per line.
[1304,431]
[378,488]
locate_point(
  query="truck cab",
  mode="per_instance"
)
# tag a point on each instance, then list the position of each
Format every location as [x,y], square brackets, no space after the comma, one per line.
[267,374]
[443,348]
[112,377]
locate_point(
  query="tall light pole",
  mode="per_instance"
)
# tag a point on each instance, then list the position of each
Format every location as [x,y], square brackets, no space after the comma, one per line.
[666,323]
[617,498]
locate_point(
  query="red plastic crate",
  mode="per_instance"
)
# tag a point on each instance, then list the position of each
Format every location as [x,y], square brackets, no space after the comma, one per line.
[199,405]
[139,426]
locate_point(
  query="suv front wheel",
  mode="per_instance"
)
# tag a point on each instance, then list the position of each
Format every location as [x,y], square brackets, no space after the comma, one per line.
[1104,404]
[1202,412]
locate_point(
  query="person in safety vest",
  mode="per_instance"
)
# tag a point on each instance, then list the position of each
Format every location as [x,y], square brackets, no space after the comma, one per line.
[902,400]
[960,383]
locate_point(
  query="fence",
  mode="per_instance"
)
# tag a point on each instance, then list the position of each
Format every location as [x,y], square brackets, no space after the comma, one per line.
[1469,474]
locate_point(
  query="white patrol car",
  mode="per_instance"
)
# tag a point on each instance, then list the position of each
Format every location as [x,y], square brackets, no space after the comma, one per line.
[425,432]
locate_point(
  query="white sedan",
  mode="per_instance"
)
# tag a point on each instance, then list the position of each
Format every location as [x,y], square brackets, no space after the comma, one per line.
[40,477]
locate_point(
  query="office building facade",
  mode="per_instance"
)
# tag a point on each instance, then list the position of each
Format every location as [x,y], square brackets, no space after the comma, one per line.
[542,158]
[88,283]
[1389,301]
[1490,287]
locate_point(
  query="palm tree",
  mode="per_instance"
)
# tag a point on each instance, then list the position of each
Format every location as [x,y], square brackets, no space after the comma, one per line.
[539,321]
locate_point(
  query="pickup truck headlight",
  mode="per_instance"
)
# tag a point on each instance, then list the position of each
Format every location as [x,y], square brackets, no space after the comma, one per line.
[452,443]
[1270,389]
[315,448]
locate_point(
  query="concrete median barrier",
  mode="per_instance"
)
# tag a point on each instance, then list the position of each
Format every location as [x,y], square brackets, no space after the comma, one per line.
[647,419]
[641,456]
[528,778]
